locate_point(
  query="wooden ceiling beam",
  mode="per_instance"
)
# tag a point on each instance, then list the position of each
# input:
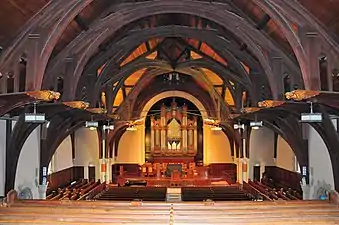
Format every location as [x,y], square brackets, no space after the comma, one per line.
[81,23]
[263,22]
[18,7]
[223,91]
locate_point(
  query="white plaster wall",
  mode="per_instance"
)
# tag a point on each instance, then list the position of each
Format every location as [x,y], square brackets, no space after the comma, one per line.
[27,173]
[319,161]
[131,148]
[87,150]
[285,155]
[62,158]
[206,148]
[219,150]
[2,157]
[261,149]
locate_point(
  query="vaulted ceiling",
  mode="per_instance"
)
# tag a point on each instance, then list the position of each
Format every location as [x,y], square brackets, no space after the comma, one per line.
[228,65]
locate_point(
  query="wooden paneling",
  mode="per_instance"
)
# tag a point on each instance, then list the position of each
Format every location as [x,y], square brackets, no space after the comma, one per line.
[130,169]
[220,169]
[284,177]
[64,177]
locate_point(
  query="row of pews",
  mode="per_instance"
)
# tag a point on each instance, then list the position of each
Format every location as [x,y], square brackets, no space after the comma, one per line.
[227,193]
[277,185]
[75,191]
[108,212]
[275,193]
[133,193]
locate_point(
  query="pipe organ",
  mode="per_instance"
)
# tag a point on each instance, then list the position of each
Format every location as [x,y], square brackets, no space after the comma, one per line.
[174,134]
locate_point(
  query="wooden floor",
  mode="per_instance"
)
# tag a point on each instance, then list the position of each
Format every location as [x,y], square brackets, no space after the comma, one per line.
[107,212]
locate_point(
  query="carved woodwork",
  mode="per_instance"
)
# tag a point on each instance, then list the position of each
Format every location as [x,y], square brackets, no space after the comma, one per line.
[173,134]
[250,109]
[77,104]
[270,103]
[97,110]
[299,95]
[44,95]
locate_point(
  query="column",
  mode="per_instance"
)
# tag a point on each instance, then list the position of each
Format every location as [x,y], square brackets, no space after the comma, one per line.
[86,168]
[103,166]
[195,137]
[239,169]
[42,191]
[152,135]
[143,145]
[16,71]
[108,171]
[112,161]
[206,149]
[262,169]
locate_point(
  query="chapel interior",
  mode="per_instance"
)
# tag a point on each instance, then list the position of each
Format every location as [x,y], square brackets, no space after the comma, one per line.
[169,112]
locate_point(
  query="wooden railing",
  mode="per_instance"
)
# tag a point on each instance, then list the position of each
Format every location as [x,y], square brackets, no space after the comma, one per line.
[248,212]
[94,192]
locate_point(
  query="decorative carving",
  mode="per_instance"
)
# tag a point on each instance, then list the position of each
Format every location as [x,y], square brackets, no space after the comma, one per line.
[97,110]
[114,116]
[233,116]
[270,103]
[300,95]
[77,104]
[250,109]
[44,95]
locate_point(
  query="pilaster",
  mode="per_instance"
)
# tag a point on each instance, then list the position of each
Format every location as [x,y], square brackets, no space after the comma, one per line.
[33,62]
[42,191]
[312,47]
[239,171]
[109,97]
[69,87]
[277,67]
[108,171]
[16,72]
[3,82]
[330,68]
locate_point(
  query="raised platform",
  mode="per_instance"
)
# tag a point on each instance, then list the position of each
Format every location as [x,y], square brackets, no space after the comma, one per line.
[172,159]
[182,182]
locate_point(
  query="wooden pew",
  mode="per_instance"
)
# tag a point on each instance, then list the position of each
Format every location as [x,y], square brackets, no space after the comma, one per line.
[100,212]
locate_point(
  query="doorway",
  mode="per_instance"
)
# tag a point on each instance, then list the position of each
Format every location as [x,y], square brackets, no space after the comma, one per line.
[256,173]
[91,173]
